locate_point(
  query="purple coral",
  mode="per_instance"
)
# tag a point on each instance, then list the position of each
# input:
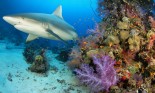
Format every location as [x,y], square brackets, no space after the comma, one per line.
[101,79]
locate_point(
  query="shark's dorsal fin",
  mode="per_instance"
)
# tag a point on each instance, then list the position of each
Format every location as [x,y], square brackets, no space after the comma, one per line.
[31,37]
[58,12]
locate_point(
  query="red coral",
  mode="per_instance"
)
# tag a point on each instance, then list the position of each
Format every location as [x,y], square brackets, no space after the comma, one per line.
[152,21]
[151,41]
[130,11]
[128,56]
[88,43]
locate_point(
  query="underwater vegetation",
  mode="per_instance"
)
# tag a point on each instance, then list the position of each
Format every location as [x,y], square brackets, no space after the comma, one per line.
[118,56]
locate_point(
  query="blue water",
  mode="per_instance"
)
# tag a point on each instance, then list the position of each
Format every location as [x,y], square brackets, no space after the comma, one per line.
[79,13]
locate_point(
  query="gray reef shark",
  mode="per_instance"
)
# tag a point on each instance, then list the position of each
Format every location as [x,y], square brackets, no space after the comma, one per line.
[50,26]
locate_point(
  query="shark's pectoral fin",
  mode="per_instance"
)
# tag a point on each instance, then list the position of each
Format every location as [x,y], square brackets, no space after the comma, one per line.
[57,36]
[58,12]
[31,37]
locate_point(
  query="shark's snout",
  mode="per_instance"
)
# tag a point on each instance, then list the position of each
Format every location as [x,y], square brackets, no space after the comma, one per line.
[8,19]
[4,18]
[11,20]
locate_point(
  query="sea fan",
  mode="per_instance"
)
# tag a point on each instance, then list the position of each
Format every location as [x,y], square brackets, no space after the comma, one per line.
[101,77]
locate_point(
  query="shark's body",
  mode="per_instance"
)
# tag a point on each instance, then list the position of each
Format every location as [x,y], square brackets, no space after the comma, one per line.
[50,26]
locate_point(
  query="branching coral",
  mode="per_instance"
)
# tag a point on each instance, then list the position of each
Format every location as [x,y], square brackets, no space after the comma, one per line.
[103,78]
[91,41]
[75,57]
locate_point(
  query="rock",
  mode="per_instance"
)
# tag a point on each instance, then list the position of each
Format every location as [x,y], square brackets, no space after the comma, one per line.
[9,77]
[63,56]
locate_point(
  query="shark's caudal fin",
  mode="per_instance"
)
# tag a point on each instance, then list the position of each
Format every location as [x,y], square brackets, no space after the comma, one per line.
[58,12]
[31,37]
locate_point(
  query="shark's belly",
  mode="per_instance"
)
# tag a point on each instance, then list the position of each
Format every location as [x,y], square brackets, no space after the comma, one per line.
[35,30]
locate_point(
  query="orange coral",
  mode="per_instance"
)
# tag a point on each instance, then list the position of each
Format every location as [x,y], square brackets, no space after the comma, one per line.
[152,21]
[128,56]
[74,63]
[130,11]
[151,41]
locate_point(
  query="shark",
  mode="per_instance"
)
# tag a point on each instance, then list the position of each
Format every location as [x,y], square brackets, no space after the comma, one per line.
[49,26]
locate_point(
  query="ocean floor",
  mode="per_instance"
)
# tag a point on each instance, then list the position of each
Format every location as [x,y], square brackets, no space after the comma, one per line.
[15,78]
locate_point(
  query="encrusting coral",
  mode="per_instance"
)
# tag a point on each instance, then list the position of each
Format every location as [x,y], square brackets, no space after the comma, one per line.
[126,35]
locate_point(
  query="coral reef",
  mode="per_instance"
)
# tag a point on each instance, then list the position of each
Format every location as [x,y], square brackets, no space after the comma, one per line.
[40,65]
[63,56]
[29,54]
[127,35]
[36,57]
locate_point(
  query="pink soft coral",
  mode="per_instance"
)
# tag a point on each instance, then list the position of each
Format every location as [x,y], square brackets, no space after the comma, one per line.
[102,77]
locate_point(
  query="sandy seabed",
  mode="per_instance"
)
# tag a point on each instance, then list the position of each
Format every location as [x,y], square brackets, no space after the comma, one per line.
[15,78]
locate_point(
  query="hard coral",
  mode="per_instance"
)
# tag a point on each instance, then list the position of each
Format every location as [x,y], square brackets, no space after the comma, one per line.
[100,78]
[111,40]
[134,43]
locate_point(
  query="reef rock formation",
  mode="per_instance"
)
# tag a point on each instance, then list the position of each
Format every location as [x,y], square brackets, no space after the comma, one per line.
[126,34]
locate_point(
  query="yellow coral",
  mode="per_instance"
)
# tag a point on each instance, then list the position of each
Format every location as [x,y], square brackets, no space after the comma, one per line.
[124,35]
[92,52]
[134,43]
[123,25]
[126,19]
[39,58]
[111,39]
